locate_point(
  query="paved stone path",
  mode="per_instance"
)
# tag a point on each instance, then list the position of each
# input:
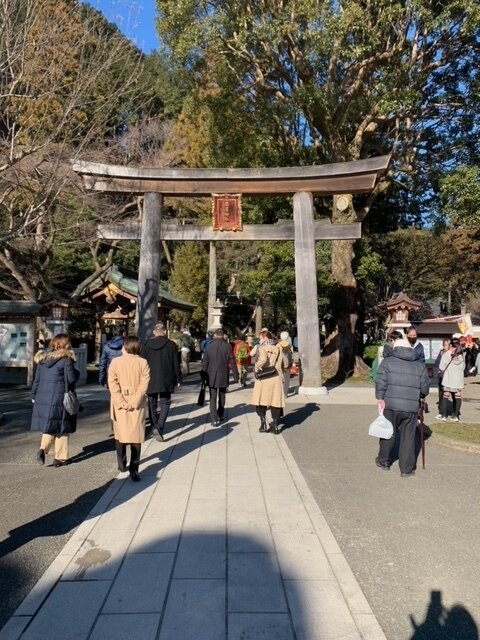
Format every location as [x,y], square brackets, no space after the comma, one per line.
[221,539]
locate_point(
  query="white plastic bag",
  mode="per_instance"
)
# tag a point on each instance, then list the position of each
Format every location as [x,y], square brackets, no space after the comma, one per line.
[381,427]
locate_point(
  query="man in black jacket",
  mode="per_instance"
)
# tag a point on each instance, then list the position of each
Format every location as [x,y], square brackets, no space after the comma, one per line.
[401,384]
[165,377]
[417,346]
[216,364]
[111,349]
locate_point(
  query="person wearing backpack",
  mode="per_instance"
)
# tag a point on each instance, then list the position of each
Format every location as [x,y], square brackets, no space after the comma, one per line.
[186,346]
[241,353]
[285,345]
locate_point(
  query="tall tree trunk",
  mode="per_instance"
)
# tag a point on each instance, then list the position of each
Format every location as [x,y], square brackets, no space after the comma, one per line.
[339,359]
[258,316]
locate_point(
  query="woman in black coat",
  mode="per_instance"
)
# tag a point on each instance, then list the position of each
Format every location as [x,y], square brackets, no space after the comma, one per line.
[54,367]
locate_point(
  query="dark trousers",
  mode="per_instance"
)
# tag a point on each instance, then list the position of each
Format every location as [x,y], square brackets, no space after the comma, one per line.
[135,450]
[217,403]
[158,421]
[403,440]
[275,411]
[286,382]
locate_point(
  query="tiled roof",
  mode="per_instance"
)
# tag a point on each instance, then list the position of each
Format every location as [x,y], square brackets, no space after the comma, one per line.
[12,308]
[402,300]
[127,281]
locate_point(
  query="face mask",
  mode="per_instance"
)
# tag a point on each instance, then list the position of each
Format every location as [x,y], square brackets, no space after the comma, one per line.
[412,340]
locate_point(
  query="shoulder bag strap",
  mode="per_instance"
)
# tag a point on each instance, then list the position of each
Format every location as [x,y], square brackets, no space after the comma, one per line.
[451,360]
[279,353]
[65,377]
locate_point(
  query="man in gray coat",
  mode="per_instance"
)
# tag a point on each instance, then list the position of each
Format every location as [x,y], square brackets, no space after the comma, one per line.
[402,383]
[216,364]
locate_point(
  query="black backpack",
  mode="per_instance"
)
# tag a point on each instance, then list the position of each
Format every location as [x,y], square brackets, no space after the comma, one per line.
[287,352]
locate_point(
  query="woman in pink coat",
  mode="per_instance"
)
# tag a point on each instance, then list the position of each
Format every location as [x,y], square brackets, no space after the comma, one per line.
[128,377]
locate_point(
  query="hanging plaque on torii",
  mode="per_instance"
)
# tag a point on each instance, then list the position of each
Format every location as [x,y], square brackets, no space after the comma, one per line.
[227,212]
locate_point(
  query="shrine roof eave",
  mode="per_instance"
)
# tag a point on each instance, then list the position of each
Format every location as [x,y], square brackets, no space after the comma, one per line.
[128,287]
[401,301]
[19,308]
[166,303]
[358,176]
[439,328]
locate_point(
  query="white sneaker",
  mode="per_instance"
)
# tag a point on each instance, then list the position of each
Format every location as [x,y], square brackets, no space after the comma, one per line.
[440,417]
[453,419]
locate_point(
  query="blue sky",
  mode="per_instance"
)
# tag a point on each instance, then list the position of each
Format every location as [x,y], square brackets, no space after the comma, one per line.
[135,18]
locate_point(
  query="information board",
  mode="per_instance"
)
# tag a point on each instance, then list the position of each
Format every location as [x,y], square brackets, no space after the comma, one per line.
[426,347]
[437,346]
[14,341]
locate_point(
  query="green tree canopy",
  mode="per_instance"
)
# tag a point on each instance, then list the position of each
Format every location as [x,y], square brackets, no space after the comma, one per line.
[321,81]
[460,191]
[189,281]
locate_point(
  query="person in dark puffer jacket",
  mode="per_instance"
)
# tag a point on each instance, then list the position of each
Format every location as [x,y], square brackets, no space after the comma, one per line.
[111,349]
[49,416]
[402,382]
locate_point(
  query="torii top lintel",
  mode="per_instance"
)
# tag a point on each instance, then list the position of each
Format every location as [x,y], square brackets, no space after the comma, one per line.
[359,176]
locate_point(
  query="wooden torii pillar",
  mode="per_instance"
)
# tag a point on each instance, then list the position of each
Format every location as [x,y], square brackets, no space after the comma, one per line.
[300,182]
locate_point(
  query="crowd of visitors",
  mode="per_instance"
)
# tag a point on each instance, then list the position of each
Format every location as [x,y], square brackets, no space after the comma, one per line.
[141,378]
[402,383]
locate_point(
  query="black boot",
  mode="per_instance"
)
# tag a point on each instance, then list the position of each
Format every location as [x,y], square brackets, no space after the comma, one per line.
[457,404]
[274,426]
[443,407]
[263,424]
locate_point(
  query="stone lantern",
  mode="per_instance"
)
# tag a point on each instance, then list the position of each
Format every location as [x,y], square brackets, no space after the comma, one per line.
[57,321]
[217,310]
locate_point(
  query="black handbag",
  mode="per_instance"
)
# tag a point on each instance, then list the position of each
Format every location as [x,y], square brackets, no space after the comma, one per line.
[201,395]
[265,373]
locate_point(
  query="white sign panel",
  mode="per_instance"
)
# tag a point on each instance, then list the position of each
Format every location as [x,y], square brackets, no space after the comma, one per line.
[14,341]
[426,347]
[437,346]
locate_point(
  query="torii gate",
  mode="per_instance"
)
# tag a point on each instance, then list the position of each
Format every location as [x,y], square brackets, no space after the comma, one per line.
[302,182]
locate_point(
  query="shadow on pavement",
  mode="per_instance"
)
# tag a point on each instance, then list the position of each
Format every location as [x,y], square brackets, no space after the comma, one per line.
[444,624]
[94,449]
[55,523]
[299,415]
[203,589]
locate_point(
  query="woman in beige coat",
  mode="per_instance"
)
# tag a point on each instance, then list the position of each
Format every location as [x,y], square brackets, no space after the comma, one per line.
[269,391]
[128,377]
